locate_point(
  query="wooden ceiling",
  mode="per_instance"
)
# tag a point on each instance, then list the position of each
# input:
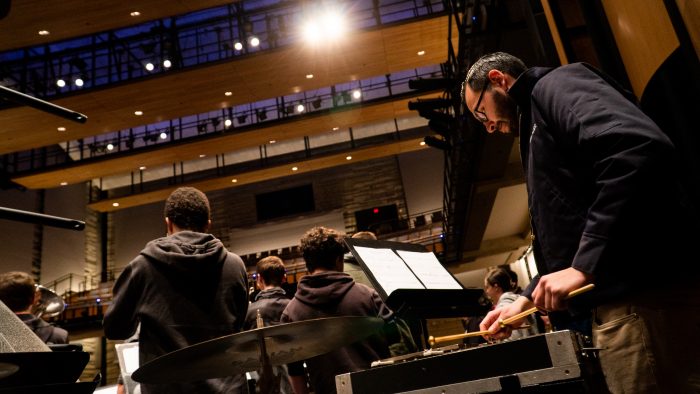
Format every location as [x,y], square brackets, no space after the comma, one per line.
[66,19]
[179,93]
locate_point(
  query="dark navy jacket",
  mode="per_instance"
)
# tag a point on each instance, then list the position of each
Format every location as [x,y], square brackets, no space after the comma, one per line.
[603,185]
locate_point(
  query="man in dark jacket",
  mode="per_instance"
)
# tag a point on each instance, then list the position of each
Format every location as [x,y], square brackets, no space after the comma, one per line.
[184,288]
[329,292]
[607,207]
[18,292]
[269,303]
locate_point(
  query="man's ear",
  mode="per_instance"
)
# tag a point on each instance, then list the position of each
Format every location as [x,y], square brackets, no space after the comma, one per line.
[497,77]
[169,226]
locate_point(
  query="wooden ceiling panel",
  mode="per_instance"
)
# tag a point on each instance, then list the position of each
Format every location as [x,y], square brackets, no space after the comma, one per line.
[66,19]
[306,126]
[260,76]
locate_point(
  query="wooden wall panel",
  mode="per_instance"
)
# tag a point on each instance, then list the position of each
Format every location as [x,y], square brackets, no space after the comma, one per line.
[644,36]
[690,11]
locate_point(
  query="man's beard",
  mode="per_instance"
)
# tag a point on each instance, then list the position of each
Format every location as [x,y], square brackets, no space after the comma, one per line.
[506,113]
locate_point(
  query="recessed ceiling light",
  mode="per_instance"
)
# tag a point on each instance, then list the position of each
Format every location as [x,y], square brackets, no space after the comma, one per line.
[228,93]
[138,113]
[295,168]
[309,76]
[273,141]
[422,143]
[61,128]
[64,183]
[336,128]
[44,32]
[421,53]
[142,168]
[348,157]
[234,180]
[115,204]
[201,156]
[135,13]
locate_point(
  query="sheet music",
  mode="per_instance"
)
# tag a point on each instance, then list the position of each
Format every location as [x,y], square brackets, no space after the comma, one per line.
[388,269]
[429,270]
[131,359]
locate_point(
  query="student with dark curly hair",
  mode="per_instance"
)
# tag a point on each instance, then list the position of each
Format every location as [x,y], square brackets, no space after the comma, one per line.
[328,292]
[183,288]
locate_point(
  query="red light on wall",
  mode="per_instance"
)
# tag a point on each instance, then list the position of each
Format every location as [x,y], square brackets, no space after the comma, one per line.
[375,210]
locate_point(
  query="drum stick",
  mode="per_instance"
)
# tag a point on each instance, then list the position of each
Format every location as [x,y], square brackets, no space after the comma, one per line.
[530,311]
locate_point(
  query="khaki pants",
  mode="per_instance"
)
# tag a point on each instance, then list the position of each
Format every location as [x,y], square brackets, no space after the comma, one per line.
[651,343]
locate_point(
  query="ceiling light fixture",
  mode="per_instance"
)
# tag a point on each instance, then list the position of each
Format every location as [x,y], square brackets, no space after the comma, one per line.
[167,63]
[273,141]
[254,41]
[348,157]
[64,183]
[421,53]
[138,113]
[237,46]
[228,122]
[150,66]
[295,168]
[300,108]
[356,93]
[142,168]
[61,128]
[135,13]
[234,180]
[228,93]
[79,82]
[309,76]
[202,156]
[163,135]
[110,146]
[115,204]
[60,83]
[336,128]
[44,32]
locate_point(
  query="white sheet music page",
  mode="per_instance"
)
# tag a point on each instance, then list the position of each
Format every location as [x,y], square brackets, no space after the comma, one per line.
[389,270]
[429,270]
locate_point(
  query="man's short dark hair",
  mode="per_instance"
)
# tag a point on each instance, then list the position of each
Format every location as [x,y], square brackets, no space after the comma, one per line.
[477,76]
[188,208]
[17,290]
[271,270]
[322,247]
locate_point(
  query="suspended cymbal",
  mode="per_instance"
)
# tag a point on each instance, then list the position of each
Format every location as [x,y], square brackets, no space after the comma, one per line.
[238,353]
[7,369]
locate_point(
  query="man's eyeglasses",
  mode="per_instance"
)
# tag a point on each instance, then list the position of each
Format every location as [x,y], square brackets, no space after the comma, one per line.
[480,115]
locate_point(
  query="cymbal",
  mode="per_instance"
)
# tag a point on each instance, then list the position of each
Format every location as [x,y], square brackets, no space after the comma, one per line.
[239,353]
[7,369]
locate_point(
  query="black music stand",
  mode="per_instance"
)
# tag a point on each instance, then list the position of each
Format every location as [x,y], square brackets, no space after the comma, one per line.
[412,282]
[42,372]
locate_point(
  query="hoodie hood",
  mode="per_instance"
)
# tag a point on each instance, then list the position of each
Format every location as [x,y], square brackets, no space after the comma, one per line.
[323,289]
[186,250]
